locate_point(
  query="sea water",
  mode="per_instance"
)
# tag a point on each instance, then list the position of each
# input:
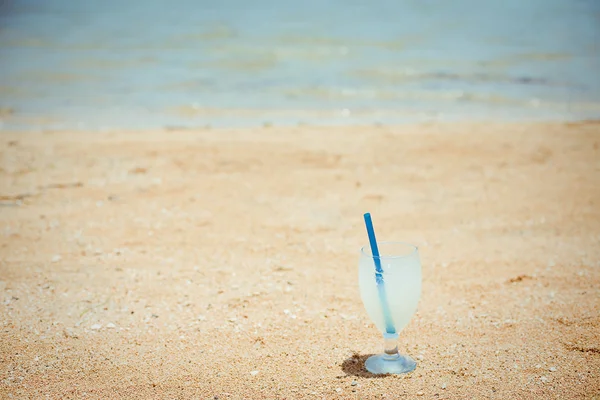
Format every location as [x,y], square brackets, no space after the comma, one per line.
[184,63]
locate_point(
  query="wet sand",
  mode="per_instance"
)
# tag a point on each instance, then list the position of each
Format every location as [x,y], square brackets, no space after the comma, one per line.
[223,263]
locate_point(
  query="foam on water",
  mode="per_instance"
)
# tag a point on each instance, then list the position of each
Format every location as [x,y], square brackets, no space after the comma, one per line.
[151,64]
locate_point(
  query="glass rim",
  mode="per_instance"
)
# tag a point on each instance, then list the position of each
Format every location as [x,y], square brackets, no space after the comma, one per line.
[413,249]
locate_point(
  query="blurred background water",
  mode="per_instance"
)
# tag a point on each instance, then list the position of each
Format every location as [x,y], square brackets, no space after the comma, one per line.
[152,64]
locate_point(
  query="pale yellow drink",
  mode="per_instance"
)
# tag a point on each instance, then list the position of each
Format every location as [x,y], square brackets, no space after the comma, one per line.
[402,279]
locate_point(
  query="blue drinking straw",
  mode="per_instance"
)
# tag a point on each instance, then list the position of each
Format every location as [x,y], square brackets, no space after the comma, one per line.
[387,316]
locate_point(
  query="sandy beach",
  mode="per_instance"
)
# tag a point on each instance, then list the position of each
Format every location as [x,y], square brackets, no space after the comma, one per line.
[222,263]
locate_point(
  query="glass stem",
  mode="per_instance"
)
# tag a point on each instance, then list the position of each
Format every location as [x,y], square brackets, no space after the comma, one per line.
[390,346]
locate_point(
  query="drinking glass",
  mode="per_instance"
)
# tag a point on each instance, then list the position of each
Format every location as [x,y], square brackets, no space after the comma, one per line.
[401,275]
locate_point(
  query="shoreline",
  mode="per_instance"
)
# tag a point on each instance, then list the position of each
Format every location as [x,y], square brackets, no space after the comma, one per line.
[268,128]
[196,117]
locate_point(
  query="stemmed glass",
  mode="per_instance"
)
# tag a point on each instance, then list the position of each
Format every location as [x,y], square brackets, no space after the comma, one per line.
[401,277]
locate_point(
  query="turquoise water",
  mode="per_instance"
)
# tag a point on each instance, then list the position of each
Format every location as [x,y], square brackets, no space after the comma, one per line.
[152,64]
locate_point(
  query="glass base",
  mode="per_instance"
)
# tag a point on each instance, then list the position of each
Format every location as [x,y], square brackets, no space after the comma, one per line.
[388,364]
